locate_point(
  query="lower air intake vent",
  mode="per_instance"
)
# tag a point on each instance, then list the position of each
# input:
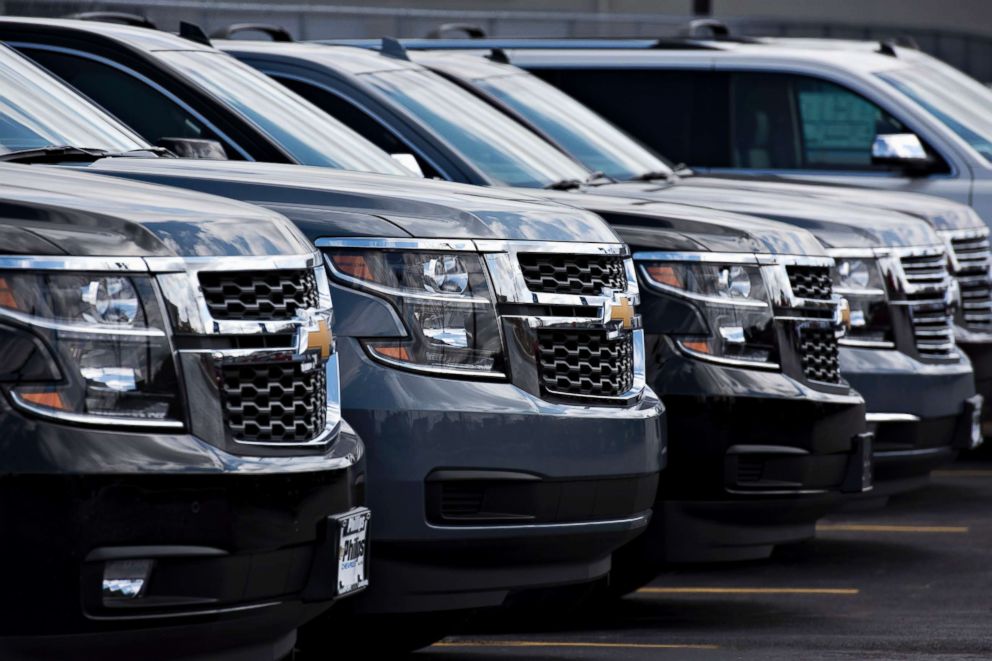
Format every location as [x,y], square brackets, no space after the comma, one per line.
[274,403]
[585,364]
[818,349]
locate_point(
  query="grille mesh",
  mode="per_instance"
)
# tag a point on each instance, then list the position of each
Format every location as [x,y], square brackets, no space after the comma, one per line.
[585,364]
[932,323]
[573,274]
[973,256]
[811,282]
[259,295]
[818,351]
[274,402]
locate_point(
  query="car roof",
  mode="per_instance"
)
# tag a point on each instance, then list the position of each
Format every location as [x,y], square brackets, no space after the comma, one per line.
[350,59]
[139,38]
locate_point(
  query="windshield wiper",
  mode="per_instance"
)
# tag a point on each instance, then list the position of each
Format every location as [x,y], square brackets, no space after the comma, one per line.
[62,153]
[565,184]
[652,175]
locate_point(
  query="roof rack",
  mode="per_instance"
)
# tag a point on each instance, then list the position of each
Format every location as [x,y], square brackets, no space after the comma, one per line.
[194,33]
[124,18]
[273,32]
[471,30]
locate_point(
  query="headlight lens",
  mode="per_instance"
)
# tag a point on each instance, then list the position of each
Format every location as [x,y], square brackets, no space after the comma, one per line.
[860,281]
[445,303]
[105,334]
[734,302]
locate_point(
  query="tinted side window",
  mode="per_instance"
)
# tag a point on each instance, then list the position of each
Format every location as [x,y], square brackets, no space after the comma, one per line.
[143,108]
[784,121]
[682,115]
[356,119]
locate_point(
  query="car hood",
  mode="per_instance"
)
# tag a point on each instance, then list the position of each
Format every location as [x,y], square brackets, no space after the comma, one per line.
[835,224]
[942,214]
[47,210]
[651,225]
[372,204]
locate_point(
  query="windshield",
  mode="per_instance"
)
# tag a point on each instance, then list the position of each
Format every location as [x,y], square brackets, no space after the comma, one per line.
[309,135]
[587,137]
[962,108]
[37,110]
[504,150]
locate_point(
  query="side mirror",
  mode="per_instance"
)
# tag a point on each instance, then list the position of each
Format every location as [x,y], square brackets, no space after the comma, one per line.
[409,161]
[902,150]
[210,150]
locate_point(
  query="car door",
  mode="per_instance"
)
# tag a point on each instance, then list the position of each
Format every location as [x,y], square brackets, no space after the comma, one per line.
[807,127]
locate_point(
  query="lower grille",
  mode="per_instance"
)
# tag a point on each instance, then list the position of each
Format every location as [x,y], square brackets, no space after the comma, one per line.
[585,364]
[818,350]
[810,282]
[274,402]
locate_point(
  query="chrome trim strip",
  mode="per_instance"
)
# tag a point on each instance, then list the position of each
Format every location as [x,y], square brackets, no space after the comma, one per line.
[891,417]
[427,369]
[48,324]
[373,243]
[732,362]
[865,344]
[73,263]
[194,613]
[90,420]
[547,526]
[708,257]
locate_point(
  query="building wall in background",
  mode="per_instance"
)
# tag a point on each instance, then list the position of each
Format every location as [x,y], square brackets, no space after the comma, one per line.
[958,31]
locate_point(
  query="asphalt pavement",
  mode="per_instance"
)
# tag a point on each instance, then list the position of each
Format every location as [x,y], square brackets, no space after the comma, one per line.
[911,581]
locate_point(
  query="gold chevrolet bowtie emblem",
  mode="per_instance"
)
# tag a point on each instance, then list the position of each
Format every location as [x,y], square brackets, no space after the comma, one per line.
[320,339]
[623,311]
[845,314]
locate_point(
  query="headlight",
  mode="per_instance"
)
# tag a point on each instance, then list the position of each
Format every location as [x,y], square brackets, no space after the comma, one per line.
[445,303]
[860,281]
[104,340]
[734,302]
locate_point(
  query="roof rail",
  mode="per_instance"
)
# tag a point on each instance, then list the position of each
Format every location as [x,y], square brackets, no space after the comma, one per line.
[124,18]
[471,30]
[273,32]
[705,27]
[193,32]
[393,48]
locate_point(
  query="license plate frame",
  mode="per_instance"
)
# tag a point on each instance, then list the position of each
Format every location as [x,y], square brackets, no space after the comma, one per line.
[352,551]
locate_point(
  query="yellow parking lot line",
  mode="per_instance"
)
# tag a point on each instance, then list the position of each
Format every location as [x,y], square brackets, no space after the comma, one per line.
[702,590]
[877,527]
[962,473]
[547,643]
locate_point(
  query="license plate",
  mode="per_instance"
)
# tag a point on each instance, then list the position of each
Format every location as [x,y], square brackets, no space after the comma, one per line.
[353,546]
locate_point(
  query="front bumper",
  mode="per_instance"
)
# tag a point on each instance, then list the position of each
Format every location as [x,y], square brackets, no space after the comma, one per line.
[921,413]
[978,348]
[755,458]
[481,489]
[234,542]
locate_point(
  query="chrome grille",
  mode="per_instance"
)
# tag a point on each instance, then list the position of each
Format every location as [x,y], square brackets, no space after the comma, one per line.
[259,295]
[972,259]
[818,352]
[812,282]
[585,363]
[566,273]
[927,283]
[274,402]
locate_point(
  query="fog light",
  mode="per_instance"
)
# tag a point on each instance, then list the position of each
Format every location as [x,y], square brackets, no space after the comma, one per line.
[124,580]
